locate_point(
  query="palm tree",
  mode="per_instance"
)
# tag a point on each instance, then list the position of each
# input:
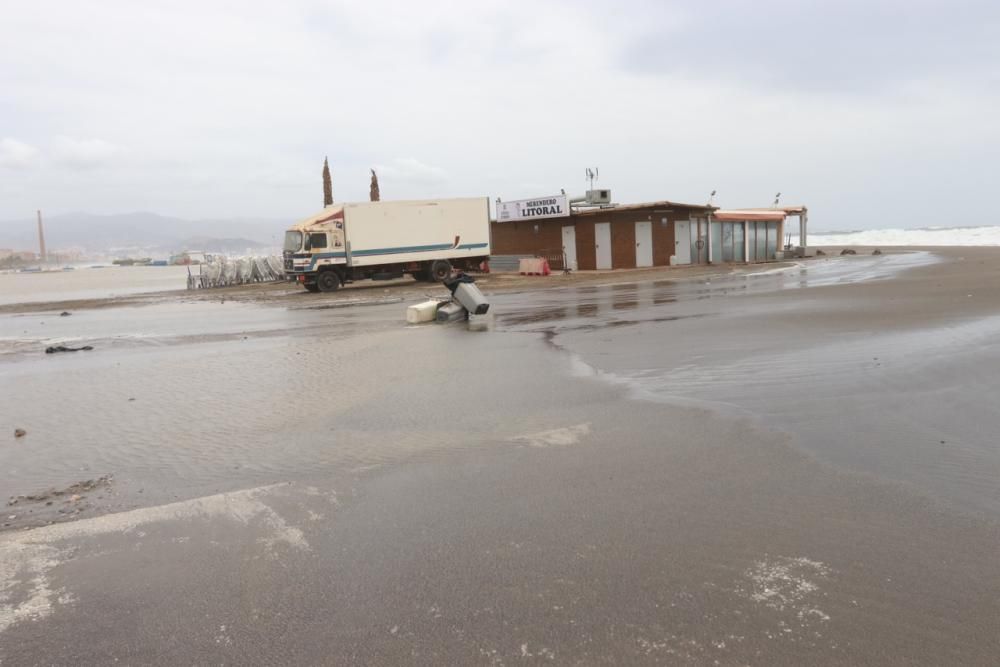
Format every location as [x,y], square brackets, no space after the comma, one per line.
[373,192]
[327,184]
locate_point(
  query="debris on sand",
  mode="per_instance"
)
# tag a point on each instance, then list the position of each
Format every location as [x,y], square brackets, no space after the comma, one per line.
[63,348]
[820,253]
[848,251]
[425,311]
[876,251]
[464,291]
[65,313]
[20,433]
[451,312]
[75,491]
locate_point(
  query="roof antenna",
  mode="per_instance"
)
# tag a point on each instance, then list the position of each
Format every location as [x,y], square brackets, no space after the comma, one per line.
[593,175]
[711,198]
[776,198]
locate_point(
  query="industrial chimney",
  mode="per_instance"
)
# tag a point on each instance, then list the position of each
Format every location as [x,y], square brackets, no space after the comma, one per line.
[41,239]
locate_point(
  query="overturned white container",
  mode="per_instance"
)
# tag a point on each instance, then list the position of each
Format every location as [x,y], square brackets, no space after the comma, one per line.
[471,298]
[422,312]
[451,312]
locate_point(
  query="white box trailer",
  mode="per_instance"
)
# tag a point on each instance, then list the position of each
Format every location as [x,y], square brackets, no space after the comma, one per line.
[385,240]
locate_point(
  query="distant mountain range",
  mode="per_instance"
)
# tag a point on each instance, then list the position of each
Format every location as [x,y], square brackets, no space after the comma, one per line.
[142,231]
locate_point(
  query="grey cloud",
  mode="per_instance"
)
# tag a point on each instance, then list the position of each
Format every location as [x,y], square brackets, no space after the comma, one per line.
[853,47]
[231,114]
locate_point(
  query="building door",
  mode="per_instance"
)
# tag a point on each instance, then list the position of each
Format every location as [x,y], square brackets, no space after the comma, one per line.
[602,244]
[772,240]
[715,254]
[727,242]
[682,242]
[643,244]
[739,243]
[569,246]
[761,243]
[699,240]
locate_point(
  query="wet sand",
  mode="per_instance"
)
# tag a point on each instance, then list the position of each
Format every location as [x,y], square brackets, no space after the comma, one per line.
[726,469]
[287,294]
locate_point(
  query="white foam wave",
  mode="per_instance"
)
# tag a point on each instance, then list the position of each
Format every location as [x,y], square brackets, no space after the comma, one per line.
[988,235]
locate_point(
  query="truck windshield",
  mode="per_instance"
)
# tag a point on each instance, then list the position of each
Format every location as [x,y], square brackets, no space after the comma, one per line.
[293,241]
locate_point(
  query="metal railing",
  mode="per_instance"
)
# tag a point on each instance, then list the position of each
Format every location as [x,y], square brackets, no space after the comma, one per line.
[556,258]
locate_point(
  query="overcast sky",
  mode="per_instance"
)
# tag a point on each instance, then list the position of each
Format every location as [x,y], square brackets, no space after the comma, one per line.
[875,114]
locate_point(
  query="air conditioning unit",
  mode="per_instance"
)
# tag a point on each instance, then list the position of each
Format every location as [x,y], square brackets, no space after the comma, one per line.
[596,197]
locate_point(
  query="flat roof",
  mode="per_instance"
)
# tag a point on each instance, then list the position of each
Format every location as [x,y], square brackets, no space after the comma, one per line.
[749,214]
[632,207]
[791,210]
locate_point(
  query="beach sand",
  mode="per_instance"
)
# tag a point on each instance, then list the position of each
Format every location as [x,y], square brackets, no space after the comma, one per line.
[770,467]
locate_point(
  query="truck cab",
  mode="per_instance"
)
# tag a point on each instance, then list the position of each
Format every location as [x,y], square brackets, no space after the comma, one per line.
[315,246]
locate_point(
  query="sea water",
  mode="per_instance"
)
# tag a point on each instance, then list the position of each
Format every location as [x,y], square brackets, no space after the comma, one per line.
[987,235]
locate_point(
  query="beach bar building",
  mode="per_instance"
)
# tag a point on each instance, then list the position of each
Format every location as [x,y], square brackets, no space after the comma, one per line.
[626,236]
[660,233]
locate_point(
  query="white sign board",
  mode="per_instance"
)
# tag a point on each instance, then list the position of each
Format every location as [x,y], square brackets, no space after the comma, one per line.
[533,209]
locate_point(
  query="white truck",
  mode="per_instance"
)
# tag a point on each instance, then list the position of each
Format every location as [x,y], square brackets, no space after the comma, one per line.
[385,240]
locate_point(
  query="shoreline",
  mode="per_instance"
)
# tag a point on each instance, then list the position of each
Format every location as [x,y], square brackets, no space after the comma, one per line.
[285,293]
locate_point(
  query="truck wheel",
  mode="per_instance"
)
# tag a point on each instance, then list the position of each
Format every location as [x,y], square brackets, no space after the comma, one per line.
[328,281]
[311,287]
[440,270]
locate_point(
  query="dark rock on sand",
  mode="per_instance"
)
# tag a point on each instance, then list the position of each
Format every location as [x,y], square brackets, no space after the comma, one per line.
[63,348]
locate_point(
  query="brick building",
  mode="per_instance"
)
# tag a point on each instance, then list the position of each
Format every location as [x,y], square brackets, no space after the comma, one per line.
[618,237]
[661,233]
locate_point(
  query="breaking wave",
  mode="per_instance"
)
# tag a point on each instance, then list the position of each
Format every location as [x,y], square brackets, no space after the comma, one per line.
[988,235]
